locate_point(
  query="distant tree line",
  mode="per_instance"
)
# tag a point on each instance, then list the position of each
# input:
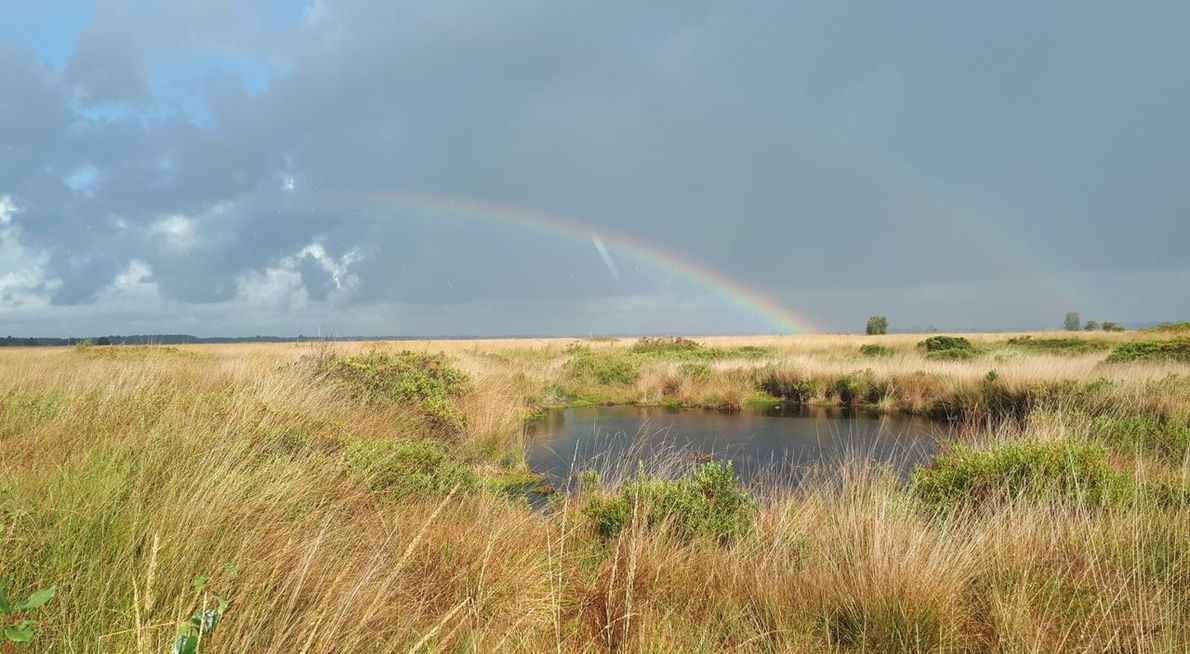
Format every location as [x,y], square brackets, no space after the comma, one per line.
[1074,323]
[168,339]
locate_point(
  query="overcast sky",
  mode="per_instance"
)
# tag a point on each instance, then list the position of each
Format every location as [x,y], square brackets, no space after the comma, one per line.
[212,168]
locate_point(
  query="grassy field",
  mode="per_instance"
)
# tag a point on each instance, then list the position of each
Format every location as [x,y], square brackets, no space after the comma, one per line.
[366,498]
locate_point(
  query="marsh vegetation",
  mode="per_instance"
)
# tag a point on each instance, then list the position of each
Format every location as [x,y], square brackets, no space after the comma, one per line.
[371,498]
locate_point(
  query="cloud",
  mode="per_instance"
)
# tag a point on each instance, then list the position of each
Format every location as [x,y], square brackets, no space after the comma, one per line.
[25,281]
[175,232]
[248,156]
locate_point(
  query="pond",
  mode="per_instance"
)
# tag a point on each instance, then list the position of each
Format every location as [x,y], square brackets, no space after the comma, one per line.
[776,446]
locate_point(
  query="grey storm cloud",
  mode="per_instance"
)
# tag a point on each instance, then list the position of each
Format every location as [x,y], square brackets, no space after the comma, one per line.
[221,168]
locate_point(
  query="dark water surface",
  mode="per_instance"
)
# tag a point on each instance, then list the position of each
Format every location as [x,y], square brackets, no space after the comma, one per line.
[777,446]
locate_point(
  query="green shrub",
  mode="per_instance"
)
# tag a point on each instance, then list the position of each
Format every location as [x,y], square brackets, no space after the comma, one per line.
[406,467]
[1169,439]
[1066,345]
[877,325]
[665,345]
[602,367]
[856,388]
[1174,349]
[401,377]
[706,503]
[947,348]
[422,381]
[696,370]
[1183,326]
[962,476]
[787,386]
[940,343]
[875,350]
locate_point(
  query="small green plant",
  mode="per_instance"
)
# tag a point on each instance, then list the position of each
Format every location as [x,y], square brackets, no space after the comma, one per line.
[947,348]
[407,467]
[1174,349]
[875,350]
[420,380]
[963,476]
[787,385]
[696,370]
[604,368]
[877,325]
[665,345]
[18,628]
[1065,345]
[210,608]
[708,502]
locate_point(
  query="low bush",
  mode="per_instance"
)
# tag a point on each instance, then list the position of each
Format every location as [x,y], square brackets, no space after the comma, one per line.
[787,385]
[406,467]
[696,370]
[1061,470]
[1183,326]
[678,347]
[947,348]
[665,345]
[1174,349]
[938,343]
[422,381]
[601,367]
[857,388]
[1059,345]
[875,350]
[400,377]
[708,503]
[1168,439]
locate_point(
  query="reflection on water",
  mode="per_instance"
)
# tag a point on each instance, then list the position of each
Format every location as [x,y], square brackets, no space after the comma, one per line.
[776,446]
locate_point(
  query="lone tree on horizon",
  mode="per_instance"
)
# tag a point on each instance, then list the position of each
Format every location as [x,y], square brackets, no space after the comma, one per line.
[877,325]
[1073,321]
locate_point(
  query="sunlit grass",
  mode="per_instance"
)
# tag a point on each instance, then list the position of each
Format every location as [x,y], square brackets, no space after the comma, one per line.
[124,477]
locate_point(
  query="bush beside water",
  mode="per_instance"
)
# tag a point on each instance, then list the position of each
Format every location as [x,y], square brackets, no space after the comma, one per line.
[963,476]
[707,502]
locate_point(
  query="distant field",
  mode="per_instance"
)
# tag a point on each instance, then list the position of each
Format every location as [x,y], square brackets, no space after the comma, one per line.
[370,498]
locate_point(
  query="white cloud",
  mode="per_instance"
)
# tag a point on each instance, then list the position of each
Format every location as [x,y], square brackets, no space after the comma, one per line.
[133,288]
[335,268]
[282,287]
[25,281]
[176,231]
[275,288]
[7,209]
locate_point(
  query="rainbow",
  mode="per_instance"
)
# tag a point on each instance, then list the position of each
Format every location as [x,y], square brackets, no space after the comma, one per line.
[605,241]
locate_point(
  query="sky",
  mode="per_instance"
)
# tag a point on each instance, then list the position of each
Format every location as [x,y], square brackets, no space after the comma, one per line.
[525,167]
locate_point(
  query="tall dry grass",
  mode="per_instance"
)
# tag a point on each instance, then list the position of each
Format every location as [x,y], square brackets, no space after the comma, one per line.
[124,474]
